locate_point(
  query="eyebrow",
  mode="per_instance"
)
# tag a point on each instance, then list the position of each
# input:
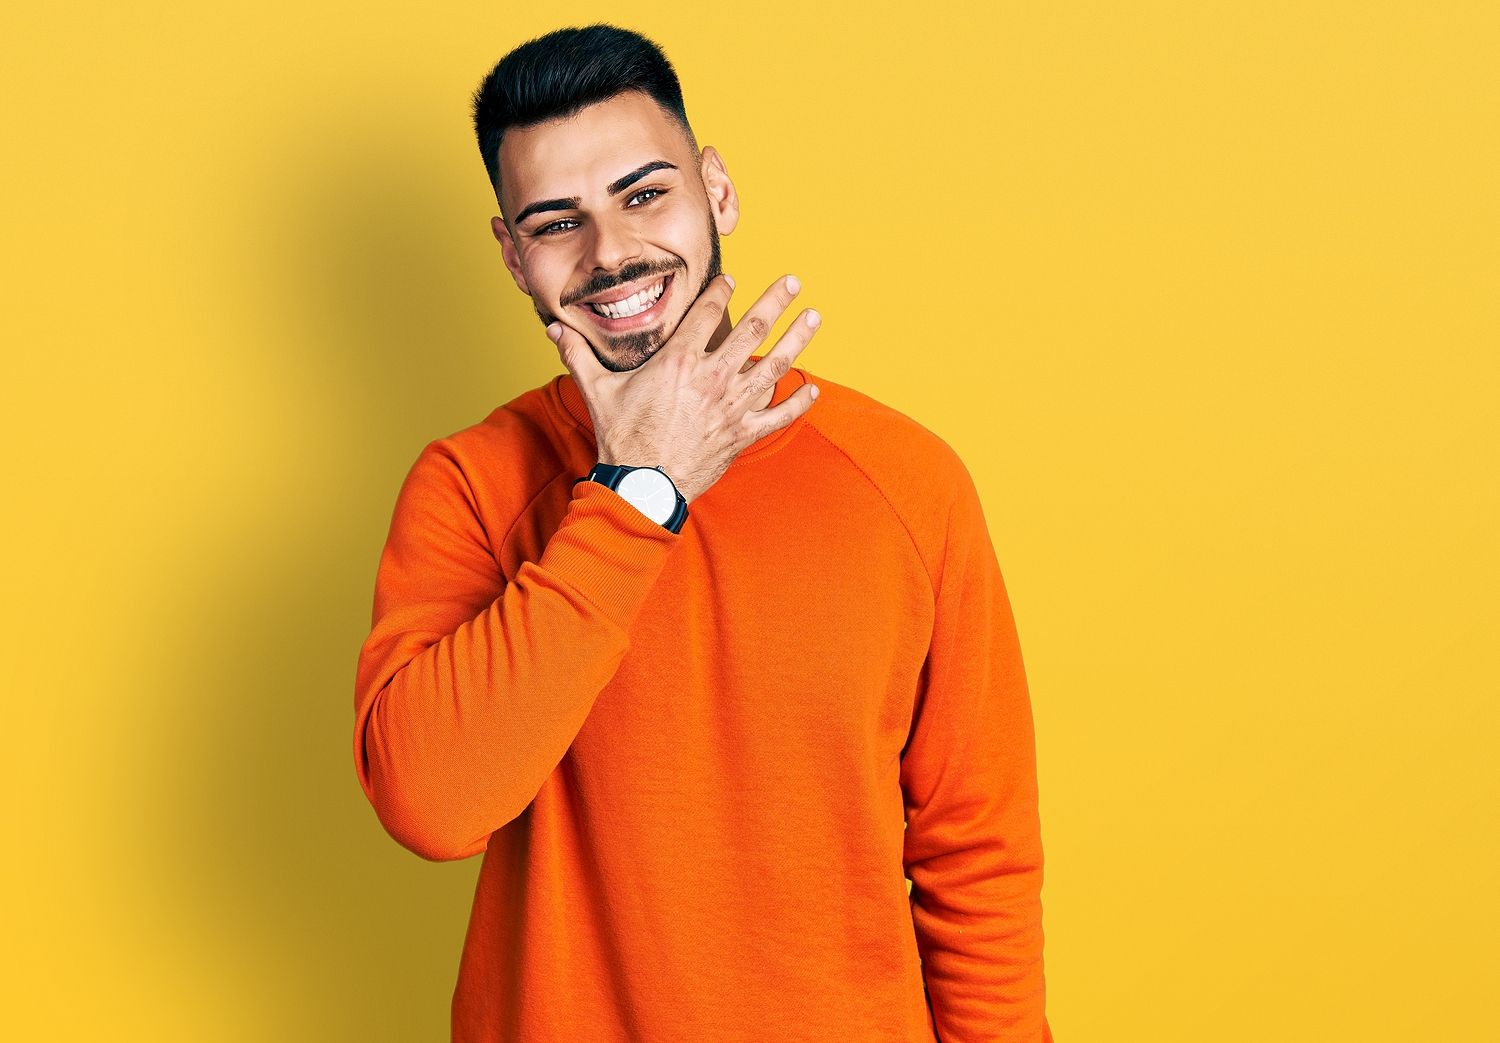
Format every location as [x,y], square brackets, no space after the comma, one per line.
[614,188]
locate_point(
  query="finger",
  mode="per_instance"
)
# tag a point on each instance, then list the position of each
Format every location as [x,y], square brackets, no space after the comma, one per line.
[753,382]
[702,318]
[757,322]
[576,353]
[761,422]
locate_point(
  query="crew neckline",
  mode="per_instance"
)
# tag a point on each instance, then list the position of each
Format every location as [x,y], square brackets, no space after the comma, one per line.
[564,390]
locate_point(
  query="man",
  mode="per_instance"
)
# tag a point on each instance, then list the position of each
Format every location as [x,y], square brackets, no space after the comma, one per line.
[705,673]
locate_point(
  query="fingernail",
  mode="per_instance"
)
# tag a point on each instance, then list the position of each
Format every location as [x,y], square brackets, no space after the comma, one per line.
[554,331]
[814,391]
[813,318]
[793,284]
[729,279]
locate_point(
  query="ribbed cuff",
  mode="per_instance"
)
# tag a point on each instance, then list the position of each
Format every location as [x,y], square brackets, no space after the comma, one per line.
[607,549]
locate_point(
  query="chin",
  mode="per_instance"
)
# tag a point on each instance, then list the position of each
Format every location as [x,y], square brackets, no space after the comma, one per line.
[626,351]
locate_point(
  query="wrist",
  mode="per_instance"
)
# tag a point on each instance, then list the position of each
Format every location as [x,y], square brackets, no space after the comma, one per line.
[648,488]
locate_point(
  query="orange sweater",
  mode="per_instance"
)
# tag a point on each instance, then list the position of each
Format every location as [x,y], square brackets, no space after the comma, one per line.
[702,765]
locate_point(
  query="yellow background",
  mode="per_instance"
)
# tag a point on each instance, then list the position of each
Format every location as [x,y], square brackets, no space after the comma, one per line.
[1204,294]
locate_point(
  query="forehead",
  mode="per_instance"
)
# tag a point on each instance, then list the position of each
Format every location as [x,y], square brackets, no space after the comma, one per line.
[579,155]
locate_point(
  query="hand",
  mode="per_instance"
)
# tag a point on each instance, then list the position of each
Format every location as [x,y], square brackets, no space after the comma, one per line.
[687,409]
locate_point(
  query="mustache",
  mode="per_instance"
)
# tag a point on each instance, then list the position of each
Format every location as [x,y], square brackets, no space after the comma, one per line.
[626,275]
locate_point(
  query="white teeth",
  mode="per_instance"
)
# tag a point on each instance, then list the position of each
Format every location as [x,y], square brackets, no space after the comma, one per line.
[632,305]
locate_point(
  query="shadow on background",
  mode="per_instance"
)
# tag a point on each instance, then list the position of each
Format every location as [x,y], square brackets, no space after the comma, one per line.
[279,849]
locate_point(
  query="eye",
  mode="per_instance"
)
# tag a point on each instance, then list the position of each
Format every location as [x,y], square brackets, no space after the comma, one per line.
[555,227]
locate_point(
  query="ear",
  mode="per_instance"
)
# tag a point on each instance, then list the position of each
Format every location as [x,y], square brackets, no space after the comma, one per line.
[723,202]
[509,253]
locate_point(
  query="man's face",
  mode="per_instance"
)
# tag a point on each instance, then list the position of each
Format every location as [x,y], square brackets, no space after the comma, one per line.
[605,203]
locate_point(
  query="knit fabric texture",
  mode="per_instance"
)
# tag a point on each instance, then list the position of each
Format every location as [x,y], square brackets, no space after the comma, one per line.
[701,766]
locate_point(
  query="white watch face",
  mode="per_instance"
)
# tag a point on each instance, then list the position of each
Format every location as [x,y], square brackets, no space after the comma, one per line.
[650,492]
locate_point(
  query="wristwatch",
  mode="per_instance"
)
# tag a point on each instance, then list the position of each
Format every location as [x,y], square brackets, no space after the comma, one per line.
[648,489]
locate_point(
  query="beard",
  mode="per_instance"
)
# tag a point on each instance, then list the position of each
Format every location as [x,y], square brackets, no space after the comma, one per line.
[626,351]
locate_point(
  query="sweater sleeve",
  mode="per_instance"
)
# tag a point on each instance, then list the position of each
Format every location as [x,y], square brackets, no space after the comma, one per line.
[973,847]
[470,689]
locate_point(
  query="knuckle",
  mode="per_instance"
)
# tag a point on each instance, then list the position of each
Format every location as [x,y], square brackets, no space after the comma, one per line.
[712,378]
[758,326]
[749,434]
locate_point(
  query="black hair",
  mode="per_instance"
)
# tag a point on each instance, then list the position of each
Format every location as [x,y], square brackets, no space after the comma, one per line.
[556,75]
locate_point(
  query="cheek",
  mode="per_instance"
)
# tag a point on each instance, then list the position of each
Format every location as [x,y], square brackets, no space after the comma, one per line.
[683,234]
[546,274]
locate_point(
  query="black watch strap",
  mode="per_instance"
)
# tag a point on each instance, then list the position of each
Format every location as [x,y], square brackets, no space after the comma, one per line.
[610,475]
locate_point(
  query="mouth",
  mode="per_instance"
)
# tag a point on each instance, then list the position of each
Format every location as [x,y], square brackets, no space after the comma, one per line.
[640,309]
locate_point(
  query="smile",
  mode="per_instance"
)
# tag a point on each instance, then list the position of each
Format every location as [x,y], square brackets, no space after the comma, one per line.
[634,310]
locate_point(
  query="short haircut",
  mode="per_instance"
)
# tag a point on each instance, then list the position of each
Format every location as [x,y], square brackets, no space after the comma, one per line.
[556,75]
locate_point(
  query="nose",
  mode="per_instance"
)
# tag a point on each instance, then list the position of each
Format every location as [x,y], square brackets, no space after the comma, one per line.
[614,244]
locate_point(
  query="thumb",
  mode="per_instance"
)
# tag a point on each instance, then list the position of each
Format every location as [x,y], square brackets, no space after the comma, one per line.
[576,353]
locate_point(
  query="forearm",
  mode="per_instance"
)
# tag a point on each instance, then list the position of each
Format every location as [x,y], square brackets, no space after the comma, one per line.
[459,724]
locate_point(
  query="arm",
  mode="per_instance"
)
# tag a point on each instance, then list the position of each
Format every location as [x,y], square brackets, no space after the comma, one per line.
[469,689]
[973,847]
